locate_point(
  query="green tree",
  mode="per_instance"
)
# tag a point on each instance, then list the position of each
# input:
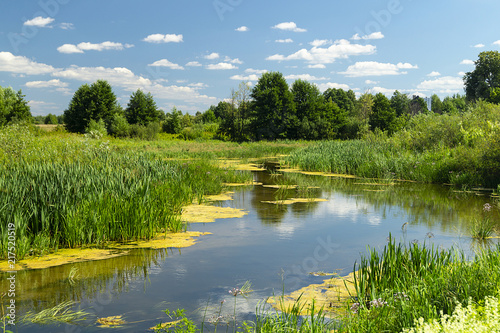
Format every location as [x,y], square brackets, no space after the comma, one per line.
[13,107]
[172,122]
[93,102]
[50,119]
[310,106]
[484,77]
[346,100]
[273,109]
[383,115]
[142,109]
[400,103]
[418,105]
[436,104]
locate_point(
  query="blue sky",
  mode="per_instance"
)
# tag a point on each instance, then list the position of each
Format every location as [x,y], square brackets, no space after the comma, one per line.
[190,54]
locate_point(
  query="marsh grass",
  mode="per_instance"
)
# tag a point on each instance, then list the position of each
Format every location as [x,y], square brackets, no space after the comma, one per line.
[82,192]
[401,284]
[59,314]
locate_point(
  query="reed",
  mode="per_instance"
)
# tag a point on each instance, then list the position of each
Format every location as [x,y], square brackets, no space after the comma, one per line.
[404,283]
[89,194]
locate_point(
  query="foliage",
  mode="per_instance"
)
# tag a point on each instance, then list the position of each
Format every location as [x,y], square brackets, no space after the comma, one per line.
[403,283]
[172,122]
[484,77]
[51,119]
[96,129]
[13,107]
[120,126]
[273,111]
[93,102]
[383,116]
[142,109]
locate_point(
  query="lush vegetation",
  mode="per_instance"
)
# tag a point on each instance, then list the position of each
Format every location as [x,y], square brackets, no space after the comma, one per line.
[458,148]
[72,192]
[402,285]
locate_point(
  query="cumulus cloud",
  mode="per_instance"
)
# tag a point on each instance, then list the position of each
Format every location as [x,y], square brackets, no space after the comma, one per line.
[256,71]
[370,82]
[160,38]
[375,35]
[69,49]
[496,43]
[288,26]
[251,77]
[444,85]
[467,62]
[242,29]
[333,85]
[221,66]
[67,26]
[212,56]
[22,65]
[193,64]
[320,42]
[317,55]
[166,63]
[480,45]
[55,83]
[433,74]
[288,40]
[40,22]
[305,77]
[233,61]
[317,66]
[373,68]
[86,46]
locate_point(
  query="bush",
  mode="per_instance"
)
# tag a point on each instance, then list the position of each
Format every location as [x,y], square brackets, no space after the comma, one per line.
[96,129]
[120,127]
[148,132]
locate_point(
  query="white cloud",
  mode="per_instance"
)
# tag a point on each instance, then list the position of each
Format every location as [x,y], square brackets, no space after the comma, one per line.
[256,71]
[198,85]
[445,84]
[69,49]
[284,41]
[233,61]
[55,83]
[461,73]
[289,26]
[375,35]
[242,29]
[86,46]
[497,42]
[373,68]
[166,63]
[22,65]
[327,85]
[381,90]
[67,26]
[126,79]
[251,77]
[221,66]
[320,42]
[316,55]
[480,45]
[305,77]
[212,56]
[193,64]
[40,22]
[370,82]
[467,62]
[320,66]
[160,38]
[433,74]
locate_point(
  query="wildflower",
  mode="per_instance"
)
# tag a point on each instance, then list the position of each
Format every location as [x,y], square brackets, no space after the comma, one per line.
[401,296]
[355,307]
[486,207]
[377,303]
[235,292]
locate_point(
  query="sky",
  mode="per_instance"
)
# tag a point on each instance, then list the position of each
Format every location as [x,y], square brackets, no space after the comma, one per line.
[190,54]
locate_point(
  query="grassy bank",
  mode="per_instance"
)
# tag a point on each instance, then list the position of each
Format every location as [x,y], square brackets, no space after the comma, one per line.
[461,149]
[69,191]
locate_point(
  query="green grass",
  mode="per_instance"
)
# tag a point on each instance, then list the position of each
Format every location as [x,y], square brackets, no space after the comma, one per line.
[402,284]
[75,192]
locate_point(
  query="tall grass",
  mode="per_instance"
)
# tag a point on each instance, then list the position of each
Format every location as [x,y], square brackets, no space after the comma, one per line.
[89,194]
[404,283]
[460,149]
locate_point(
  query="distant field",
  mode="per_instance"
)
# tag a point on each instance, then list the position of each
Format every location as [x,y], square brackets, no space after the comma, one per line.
[47,128]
